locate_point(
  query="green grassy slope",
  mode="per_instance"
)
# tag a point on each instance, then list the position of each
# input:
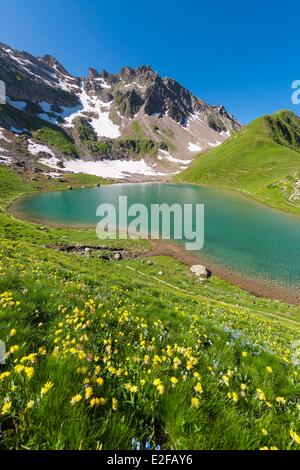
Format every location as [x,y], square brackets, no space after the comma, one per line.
[43,131]
[263,160]
[101,352]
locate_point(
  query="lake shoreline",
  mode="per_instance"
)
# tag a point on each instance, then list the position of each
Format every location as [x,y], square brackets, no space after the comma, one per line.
[189,258]
[259,289]
[246,194]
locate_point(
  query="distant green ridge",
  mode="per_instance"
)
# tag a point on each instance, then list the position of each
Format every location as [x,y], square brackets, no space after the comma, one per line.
[262,160]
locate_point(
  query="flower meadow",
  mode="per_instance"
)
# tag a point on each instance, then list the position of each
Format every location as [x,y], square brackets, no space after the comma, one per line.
[97,358]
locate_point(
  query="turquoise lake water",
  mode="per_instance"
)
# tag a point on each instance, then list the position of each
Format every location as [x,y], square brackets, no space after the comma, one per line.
[241,235]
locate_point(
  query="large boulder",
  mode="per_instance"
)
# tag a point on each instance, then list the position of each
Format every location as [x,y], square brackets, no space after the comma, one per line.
[199,270]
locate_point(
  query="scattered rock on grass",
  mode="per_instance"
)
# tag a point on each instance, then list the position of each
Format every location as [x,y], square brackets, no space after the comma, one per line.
[199,270]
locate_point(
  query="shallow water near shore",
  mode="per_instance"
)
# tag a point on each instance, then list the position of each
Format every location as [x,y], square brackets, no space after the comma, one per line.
[241,236]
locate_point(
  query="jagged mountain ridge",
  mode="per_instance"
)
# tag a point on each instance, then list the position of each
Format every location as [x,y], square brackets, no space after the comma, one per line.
[133,115]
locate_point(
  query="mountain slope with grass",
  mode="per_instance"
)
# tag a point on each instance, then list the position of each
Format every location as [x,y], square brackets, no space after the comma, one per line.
[102,353]
[262,160]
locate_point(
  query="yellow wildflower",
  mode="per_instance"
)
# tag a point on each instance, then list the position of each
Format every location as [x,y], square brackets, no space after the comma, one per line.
[97,402]
[260,395]
[176,362]
[115,404]
[267,448]
[46,388]
[197,375]
[29,371]
[13,332]
[225,380]
[156,382]
[198,388]
[88,392]
[173,381]
[13,349]
[42,351]
[295,437]
[6,407]
[4,375]
[131,388]
[195,402]
[77,398]
[30,358]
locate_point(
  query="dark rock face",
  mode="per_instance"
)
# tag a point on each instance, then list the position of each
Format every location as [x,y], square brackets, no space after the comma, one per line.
[29,78]
[127,73]
[93,85]
[92,73]
[129,103]
[166,96]
[52,63]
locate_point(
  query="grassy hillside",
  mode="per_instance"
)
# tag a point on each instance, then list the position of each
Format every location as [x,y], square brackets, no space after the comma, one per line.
[43,131]
[101,352]
[263,160]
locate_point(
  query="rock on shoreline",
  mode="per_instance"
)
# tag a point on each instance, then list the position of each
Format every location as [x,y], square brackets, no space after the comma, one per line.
[199,270]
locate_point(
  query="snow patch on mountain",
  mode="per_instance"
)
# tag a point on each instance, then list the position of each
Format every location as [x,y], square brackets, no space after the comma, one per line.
[194,147]
[102,124]
[51,162]
[5,160]
[214,144]
[56,117]
[166,155]
[102,82]
[2,136]
[116,169]
[35,148]
[226,133]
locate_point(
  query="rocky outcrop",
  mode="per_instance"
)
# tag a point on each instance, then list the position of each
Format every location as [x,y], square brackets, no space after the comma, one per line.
[128,103]
[29,78]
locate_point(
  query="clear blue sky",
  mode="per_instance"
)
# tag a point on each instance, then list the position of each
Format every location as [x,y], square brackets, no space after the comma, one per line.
[243,54]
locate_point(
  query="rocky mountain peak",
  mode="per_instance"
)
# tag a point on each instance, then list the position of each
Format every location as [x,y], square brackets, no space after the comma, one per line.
[127,73]
[93,73]
[53,63]
[104,74]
